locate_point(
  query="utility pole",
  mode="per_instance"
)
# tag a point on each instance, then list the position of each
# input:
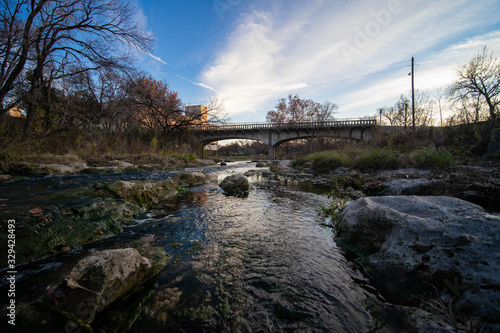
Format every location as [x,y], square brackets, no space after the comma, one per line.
[413,91]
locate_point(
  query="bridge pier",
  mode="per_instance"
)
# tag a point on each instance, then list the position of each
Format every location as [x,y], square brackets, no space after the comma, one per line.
[272,152]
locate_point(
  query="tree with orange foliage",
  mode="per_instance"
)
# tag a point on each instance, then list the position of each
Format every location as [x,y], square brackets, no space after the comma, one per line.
[296,109]
[157,107]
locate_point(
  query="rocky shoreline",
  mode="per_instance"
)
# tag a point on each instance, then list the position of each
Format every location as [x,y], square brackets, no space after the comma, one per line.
[72,217]
[430,237]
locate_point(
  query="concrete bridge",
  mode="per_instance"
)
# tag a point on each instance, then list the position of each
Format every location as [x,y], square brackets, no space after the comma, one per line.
[275,134]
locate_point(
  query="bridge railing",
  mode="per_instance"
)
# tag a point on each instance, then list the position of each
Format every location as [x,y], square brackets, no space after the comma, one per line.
[293,125]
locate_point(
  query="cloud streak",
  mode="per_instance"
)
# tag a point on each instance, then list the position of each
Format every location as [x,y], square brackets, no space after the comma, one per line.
[288,47]
[157,58]
[198,84]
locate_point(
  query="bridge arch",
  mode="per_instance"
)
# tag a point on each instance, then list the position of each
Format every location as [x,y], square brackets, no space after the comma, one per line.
[204,143]
[275,134]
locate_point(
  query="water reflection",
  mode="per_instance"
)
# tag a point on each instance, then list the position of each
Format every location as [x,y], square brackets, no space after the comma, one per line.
[255,264]
[260,263]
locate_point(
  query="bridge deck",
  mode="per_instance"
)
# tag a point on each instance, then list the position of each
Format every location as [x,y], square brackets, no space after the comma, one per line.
[279,126]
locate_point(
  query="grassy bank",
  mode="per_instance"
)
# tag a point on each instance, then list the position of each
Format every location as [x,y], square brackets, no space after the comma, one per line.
[372,158]
[95,147]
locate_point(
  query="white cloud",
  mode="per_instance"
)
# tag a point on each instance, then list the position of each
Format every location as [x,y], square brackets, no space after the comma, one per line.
[297,47]
[437,71]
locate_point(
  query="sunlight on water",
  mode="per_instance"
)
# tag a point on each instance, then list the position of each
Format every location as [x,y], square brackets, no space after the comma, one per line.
[257,264]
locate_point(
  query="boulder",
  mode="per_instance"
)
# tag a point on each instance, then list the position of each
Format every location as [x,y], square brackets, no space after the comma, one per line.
[418,242]
[5,178]
[100,279]
[122,164]
[203,162]
[237,185]
[64,168]
[56,168]
[190,178]
[263,164]
[144,193]
[408,186]
[95,283]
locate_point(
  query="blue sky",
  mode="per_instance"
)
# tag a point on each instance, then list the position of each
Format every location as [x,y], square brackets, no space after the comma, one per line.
[356,54]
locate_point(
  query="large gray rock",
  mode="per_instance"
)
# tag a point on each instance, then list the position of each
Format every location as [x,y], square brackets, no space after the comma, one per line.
[235,185]
[263,164]
[417,242]
[405,181]
[100,279]
[95,283]
[190,178]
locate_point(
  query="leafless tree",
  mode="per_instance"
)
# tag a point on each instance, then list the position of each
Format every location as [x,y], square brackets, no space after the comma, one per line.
[401,114]
[65,35]
[467,111]
[216,111]
[479,81]
[440,101]
[326,111]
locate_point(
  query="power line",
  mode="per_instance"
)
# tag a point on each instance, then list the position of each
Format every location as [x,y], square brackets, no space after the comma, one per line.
[317,85]
[310,80]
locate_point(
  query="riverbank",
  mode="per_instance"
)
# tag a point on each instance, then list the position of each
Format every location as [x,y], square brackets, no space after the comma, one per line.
[110,200]
[44,164]
[234,263]
[427,234]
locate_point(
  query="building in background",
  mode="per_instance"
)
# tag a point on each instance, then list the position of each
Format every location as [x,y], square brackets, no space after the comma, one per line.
[15,112]
[198,113]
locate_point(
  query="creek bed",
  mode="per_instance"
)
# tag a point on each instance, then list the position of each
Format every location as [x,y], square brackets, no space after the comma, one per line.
[262,263]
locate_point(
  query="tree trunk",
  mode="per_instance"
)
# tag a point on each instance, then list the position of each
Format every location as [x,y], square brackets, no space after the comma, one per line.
[30,116]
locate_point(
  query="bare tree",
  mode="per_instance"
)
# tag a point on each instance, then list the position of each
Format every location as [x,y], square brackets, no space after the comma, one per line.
[325,112]
[398,114]
[401,115]
[479,80]
[469,111]
[67,35]
[16,34]
[440,99]
[216,111]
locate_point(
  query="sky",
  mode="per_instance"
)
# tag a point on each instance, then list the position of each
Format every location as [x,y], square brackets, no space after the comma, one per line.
[357,54]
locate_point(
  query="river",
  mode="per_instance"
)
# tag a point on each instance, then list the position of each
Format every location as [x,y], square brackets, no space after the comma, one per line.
[263,263]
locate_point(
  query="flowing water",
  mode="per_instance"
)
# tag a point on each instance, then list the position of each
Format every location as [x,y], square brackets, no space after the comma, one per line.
[262,263]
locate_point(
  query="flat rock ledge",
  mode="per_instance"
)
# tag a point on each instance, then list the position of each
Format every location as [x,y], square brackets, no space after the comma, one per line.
[439,247]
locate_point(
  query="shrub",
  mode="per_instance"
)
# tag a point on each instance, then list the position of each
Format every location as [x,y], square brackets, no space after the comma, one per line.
[382,158]
[434,158]
[330,160]
[4,155]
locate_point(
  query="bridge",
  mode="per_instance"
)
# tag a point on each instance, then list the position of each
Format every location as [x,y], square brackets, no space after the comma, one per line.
[275,134]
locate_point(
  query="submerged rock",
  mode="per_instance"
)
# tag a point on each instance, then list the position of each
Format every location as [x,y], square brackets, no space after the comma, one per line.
[237,185]
[419,242]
